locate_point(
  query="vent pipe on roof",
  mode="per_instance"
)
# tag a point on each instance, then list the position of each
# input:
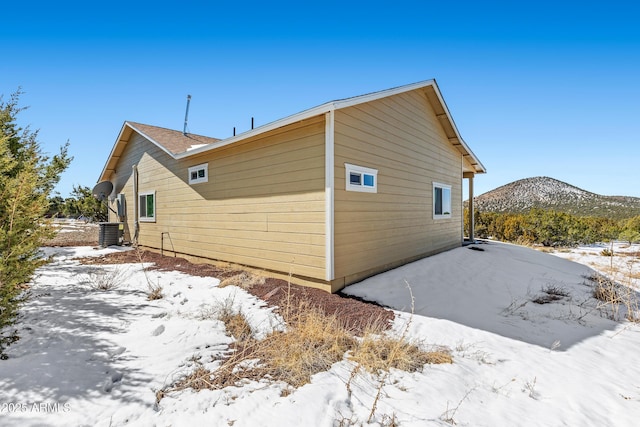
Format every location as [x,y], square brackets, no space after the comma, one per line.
[234,131]
[186,116]
[251,122]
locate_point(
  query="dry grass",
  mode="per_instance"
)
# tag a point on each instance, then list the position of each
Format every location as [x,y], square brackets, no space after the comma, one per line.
[613,296]
[101,279]
[237,326]
[606,252]
[605,290]
[312,342]
[545,249]
[155,292]
[200,379]
[377,353]
[235,322]
[244,280]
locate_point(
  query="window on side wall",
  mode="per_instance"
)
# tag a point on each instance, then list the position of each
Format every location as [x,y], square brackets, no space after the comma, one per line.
[199,174]
[147,206]
[441,200]
[360,178]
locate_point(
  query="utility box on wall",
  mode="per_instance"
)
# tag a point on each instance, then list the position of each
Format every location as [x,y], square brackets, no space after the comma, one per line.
[121,206]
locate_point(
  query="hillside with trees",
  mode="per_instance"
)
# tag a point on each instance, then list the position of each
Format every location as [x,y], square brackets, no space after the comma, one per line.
[551,194]
[549,212]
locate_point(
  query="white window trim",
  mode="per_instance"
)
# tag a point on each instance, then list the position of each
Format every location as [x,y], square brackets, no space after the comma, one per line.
[349,169]
[147,218]
[443,186]
[205,167]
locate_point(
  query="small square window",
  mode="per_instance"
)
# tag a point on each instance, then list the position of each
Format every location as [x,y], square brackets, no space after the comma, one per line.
[199,174]
[360,178]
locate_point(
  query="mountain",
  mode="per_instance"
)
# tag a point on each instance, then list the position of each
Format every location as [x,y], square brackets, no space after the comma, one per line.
[548,193]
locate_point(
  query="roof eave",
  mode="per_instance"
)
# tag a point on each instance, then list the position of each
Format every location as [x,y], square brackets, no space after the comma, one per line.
[306,114]
[474,161]
[105,169]
[303,115]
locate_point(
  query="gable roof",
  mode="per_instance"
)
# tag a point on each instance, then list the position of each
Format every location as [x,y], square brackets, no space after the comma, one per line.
[175,142]
[172,142]
[180,146]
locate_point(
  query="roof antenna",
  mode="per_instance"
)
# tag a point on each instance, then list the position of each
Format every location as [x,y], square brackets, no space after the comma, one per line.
[186,115]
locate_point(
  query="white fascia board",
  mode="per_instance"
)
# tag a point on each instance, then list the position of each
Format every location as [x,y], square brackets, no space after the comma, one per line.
[349,102]
[303,115]
[319,110]
[315,111]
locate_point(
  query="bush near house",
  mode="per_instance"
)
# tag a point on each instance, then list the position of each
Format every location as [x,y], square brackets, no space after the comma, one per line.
[27,177]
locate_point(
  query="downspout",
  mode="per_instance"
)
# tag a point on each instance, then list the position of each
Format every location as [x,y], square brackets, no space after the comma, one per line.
[136,224]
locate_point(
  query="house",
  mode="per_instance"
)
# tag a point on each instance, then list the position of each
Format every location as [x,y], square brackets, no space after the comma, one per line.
[325,197]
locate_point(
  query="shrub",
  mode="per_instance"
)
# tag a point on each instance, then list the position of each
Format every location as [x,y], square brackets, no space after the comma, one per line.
[27,177]
[606,252]
[613,296]
[155,292]
[101,279]
[551,293]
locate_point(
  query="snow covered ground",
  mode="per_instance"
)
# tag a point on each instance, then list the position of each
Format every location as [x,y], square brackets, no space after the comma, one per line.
[97,358]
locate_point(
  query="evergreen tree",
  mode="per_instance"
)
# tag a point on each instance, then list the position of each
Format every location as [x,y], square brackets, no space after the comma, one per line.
[27,177]
[631,230]
[87,205]
[56,206]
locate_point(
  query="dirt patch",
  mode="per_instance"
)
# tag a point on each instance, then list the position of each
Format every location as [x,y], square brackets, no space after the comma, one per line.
[74,233]
[355,314]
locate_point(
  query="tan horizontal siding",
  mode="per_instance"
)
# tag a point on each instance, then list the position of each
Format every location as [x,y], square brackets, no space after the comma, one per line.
[224,244]
[263,205]
[195,206]
[401,137]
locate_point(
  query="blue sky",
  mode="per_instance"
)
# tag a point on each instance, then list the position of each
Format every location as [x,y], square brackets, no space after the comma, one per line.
[536,89]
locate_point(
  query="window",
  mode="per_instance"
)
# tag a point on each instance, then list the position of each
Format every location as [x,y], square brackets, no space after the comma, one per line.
[441,201]
[359,178]
[147,207]
[198,174]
